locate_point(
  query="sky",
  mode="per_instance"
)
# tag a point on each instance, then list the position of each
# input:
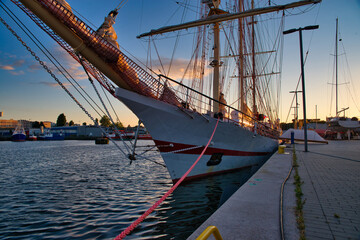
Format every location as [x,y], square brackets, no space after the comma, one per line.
[28,92]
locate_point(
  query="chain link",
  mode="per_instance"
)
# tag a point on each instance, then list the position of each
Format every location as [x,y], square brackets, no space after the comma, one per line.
[56,79]
[46,68]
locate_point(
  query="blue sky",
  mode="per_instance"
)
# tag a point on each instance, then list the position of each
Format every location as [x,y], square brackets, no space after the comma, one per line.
[28,92]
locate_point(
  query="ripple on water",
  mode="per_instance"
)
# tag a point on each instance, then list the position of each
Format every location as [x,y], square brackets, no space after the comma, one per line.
[79,190]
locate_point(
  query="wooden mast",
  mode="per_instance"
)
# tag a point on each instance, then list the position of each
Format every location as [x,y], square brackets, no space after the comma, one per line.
[241,60]
[216,65]
[215,17]
[253,75]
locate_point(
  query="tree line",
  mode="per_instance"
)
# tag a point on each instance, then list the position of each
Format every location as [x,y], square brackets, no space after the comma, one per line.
[61,121]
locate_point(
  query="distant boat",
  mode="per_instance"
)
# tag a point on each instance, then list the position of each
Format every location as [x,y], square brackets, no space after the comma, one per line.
[102,140]
[340,125]
[125,135]
[19,134]
[145,136]
[32,138]
[52,136]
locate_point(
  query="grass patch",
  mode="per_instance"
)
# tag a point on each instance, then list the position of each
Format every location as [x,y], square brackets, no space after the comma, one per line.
[299,202]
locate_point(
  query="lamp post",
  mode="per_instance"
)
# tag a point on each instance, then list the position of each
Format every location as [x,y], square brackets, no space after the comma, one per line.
[302,74]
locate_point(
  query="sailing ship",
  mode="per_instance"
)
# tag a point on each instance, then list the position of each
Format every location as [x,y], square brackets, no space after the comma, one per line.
[181,117]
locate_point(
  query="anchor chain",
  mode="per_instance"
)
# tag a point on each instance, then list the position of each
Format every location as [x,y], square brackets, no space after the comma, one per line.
[56,79]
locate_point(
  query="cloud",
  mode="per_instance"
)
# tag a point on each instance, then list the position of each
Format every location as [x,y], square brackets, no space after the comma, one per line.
[7,67]
[179,68]
[33,67]
[18,63]
[53,84]
[14,66]
[17,73]
[69,63]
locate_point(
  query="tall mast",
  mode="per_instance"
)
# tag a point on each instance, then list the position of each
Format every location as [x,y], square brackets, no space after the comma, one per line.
[336,65]
[253,75]
[241,59]
[216,65]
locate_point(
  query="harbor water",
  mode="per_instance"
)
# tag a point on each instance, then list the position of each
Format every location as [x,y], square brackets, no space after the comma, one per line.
[79,190]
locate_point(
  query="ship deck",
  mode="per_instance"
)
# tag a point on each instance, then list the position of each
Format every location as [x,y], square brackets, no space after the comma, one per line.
[331,190]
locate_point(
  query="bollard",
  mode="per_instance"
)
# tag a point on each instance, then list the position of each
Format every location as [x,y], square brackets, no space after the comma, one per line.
[281,149]
[292,137]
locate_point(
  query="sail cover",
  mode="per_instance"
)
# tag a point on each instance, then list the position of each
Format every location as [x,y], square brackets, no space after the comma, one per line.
[349,124]
[312,136]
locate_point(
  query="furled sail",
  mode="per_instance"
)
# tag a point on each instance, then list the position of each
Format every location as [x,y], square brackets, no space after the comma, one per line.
[107,31]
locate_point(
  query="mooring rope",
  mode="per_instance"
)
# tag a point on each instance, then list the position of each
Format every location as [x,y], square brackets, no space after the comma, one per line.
[130,228]
[282,231]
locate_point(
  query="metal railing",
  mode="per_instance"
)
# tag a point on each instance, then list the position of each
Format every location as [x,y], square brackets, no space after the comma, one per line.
[210,230]
[196,101]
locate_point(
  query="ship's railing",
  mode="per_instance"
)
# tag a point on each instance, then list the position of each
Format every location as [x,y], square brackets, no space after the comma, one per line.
[194,101]
[92,70]
[133,75]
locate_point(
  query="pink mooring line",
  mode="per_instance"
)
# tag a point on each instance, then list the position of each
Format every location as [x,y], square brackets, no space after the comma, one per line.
[130,228]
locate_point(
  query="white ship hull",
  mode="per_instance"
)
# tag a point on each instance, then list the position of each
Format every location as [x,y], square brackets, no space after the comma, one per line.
[173,130]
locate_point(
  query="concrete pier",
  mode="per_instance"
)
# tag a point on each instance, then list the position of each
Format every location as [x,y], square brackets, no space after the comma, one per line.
[331,175]
[331,188]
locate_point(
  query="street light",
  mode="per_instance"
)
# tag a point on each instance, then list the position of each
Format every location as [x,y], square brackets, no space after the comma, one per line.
[302,73]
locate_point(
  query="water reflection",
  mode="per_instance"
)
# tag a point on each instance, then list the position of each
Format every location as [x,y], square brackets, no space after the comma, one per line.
[191,204]
[77,190]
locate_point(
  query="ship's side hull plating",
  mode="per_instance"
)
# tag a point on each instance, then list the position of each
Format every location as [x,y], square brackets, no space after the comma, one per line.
[181,135]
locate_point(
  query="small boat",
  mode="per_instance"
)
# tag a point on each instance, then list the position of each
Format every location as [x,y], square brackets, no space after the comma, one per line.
[52,136]
[102,140]
[19,134]
[145,136]
[32,138]
[125,135]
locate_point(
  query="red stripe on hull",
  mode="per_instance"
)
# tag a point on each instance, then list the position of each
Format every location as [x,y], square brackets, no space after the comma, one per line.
[165,147]
[204,175]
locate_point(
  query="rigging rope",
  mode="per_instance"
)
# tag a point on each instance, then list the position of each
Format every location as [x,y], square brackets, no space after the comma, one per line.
[107,111]
[57,80]
[130,228]
[50,57]
[121,4]
[46,68]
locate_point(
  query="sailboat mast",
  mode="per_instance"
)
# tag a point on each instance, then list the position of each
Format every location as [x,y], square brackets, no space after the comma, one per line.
[253,75]
[336,66]
[241,59]
[216,66]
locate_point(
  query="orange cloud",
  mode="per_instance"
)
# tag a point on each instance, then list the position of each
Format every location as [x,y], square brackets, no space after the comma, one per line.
[7,67]
[180,68]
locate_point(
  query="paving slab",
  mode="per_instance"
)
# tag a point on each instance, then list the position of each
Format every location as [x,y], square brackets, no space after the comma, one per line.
[331,186]
[253,211]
